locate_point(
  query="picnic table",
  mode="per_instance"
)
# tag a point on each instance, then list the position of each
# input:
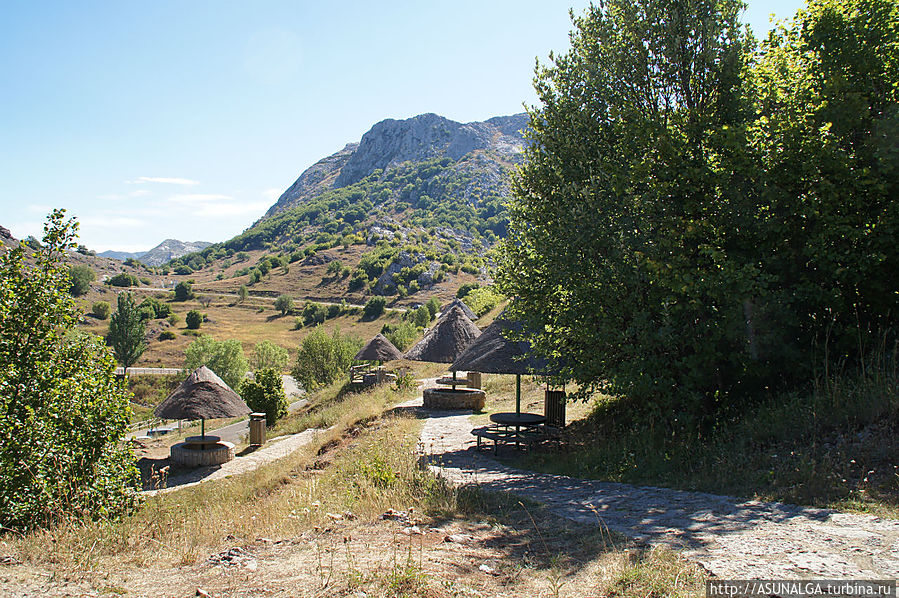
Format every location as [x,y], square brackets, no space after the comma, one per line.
[514,428]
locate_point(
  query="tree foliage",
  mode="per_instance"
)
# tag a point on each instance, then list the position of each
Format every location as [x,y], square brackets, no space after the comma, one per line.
[193,319]
[225,358]
[692,216]
[62,413]
[126,331]
[183,291]
[322,359]
[268,355]
[284,303]
[265,394]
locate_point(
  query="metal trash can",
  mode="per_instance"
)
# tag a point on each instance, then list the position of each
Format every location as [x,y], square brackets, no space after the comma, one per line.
[257,429]
[554,408]
[474,379]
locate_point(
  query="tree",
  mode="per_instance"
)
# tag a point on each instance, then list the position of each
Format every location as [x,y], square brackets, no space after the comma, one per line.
[242,293]
[82,277]
[433,306]
[284,304]
[183,291]
[126,331]
[629,213]
[322,359]
[268,355]
[690,221]
[421,317]
[123,279]
[193,319]
[265,394]
[225,358]
[374,307]
[62,412]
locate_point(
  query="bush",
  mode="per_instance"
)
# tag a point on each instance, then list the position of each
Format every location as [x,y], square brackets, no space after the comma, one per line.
[401,335]
[267,355]
[101,309]
[314,313]
[482,300]
[265,394]
[167,335]
[173,319]
[183,291]
[225,358]
[466,288]
[284,304]
[123,279]
[145,281]
[82,277]
[193,319]
[374,308]
[422,316]
[322,359]
[334,310]
[156,308]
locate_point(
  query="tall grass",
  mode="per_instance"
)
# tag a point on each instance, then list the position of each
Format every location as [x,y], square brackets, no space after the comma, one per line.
[832,445]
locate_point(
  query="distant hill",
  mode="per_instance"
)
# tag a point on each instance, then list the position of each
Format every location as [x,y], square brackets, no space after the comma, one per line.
[162,253]
[410,210]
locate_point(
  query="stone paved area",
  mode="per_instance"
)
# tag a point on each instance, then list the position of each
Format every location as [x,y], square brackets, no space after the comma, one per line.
[729,537]
[274,450]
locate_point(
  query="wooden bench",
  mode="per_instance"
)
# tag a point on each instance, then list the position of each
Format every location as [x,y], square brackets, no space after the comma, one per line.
[507,435]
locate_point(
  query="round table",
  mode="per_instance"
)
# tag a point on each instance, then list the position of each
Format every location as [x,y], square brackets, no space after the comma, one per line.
[517,419]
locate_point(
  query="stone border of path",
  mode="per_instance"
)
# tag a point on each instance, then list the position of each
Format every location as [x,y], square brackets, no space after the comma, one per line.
[730,537]
[276,449]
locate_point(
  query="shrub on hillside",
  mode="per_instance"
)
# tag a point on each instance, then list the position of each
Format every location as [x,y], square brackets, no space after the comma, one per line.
[82,277]
[101,310]
[401,335]
[268,355]
[183,291]
[167,335]
[322,359]
[193,319]
[284,304]
[123,279]
[482,300]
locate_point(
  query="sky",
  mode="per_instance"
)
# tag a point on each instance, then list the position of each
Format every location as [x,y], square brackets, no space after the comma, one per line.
[187,120]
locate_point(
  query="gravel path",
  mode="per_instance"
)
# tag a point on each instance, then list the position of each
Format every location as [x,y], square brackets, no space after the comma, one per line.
[730,537]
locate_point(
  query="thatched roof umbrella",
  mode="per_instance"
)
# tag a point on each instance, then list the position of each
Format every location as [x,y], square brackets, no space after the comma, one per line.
[443,343]
[493,353]
[378,349]
[202,396]
[461,305]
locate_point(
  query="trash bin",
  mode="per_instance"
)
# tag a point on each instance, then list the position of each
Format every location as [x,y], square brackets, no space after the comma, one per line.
[257,429]
[474,379]
[554,408]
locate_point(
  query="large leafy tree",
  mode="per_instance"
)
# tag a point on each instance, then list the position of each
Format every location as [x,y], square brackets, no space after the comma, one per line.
[225,358]
[62,413]
[692,217]
[619,254]
[126,331]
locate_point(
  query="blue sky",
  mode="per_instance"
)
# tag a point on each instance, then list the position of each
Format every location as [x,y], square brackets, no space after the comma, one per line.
[188,119]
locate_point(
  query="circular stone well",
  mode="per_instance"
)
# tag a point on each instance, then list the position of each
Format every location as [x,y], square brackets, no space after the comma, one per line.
[195,454]
[460,398]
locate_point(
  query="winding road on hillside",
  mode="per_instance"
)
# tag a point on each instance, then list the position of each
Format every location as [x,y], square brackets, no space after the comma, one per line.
[730,537]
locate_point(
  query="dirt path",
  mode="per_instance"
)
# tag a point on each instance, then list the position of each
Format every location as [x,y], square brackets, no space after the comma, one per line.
[729,537]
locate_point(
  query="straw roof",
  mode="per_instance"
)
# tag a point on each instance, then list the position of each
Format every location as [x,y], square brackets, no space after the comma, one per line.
[378,349]
[202,396]
[461,305]
[447,339]
[493,353]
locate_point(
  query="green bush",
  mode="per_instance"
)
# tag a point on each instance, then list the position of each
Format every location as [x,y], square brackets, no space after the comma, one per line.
[167,335]
[267,355]
[284,304]
[101,309]
[322,359]
[482,300]
[314,313]
[123,279]
[433,306]
[156,308]
[183,291]
[225,358]
[265,394]
[374,307]
[82,277]
[466,288]
[193,319]
[421,317]
[401,335]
